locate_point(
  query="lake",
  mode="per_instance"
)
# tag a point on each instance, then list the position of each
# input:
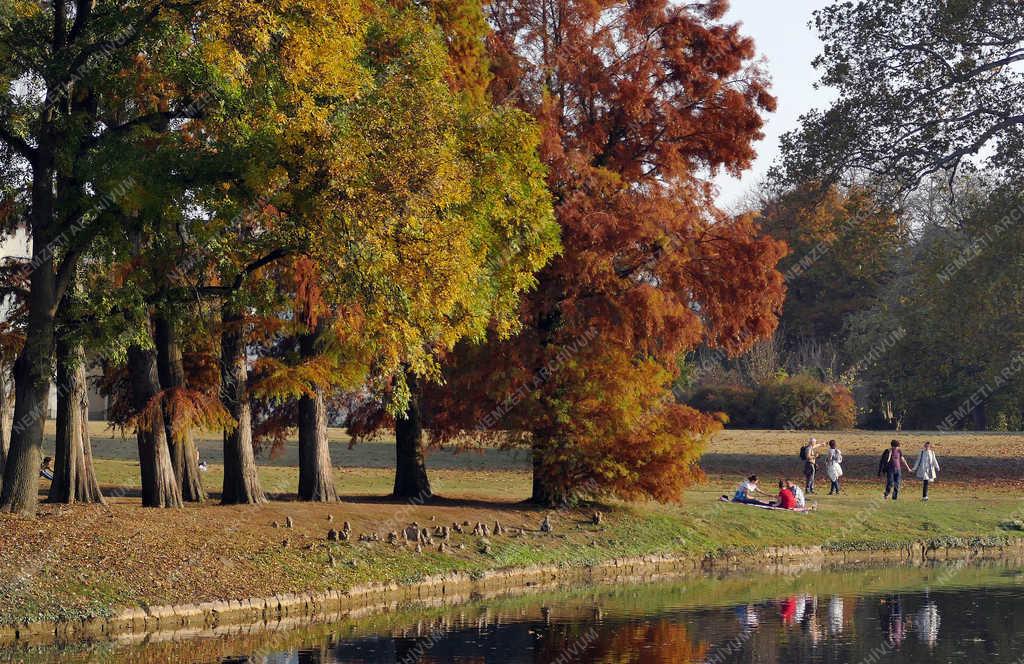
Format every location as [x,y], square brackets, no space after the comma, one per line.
[934,613]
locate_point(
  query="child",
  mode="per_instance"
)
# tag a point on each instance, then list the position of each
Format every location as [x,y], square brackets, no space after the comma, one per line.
[927,468]
[833,466]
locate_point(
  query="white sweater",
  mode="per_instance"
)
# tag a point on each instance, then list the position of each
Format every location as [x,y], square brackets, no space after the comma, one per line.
[927,466]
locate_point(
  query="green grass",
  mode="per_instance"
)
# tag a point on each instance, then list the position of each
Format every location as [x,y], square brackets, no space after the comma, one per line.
[89,561]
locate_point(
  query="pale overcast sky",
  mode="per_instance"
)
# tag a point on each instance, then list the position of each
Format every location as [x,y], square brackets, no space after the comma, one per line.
[783,38]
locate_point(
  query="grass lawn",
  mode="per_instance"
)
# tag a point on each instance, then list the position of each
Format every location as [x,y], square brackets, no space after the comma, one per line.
[86,561]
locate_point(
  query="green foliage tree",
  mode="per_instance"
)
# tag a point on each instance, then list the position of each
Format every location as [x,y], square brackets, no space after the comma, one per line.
[923,87]
[958,298]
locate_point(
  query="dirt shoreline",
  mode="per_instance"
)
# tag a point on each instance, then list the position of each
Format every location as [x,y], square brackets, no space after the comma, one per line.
[289,611]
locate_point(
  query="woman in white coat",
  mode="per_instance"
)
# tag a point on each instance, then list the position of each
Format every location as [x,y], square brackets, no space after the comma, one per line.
[926,468]
[834,466]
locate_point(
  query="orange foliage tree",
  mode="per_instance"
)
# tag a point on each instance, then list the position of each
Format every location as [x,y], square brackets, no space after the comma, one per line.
[640,105]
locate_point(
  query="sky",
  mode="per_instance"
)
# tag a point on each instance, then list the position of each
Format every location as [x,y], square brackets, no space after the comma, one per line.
[788,45]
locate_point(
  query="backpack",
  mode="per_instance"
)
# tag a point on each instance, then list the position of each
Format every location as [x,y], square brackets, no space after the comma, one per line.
[883,463]
[803,452]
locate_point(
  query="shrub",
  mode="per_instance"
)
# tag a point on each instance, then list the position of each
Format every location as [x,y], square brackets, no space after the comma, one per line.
[736,401]
[795,402]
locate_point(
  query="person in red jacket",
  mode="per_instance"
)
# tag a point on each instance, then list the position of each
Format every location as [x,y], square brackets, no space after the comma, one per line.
[786,498]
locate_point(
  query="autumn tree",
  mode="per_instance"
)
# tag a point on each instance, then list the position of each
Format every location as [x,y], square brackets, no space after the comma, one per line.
[638,104]
[843,246]
[76,87]
[310,353]
[387,191]
[74,476]
[923,87]
[498,228]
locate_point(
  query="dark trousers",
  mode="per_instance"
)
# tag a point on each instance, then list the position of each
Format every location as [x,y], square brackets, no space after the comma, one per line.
[809,470]
[835,487]
[893,479]
[924,489]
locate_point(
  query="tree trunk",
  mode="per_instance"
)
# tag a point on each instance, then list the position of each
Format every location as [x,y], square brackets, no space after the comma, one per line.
[241,481]
[410,468]
[547,491]
[316,479]
[74,478]
[184,454]
[980,417]
[5,419]
[159,485]
[32,369]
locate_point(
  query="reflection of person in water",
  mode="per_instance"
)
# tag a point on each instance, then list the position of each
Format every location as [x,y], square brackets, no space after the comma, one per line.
[835,615]
[810,619]
[748,617]
[787,609]
[926,622]
[893,620]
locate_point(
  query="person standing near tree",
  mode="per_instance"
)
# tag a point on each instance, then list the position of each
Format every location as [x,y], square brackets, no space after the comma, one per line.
[926,468]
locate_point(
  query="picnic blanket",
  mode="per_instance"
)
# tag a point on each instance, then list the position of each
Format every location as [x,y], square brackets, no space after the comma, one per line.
[767,507]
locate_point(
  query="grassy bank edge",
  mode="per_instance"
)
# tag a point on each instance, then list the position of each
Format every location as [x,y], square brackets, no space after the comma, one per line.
[455,587]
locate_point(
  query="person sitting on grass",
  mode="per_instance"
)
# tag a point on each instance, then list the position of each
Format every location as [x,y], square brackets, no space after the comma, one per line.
[927,468]
[787,500]
[746,490]
[46,470]
[798,494]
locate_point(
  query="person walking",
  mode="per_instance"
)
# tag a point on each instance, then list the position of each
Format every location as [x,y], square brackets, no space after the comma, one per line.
[834,466]
[809,453]
[926,468]
[892,464]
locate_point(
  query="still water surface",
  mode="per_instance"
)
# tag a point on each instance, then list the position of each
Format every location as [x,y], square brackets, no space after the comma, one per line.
[894,614]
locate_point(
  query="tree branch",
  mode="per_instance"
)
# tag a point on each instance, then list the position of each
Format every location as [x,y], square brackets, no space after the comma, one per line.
[83,11]
[120,42]
[274,255]
[17,143]
[189,112]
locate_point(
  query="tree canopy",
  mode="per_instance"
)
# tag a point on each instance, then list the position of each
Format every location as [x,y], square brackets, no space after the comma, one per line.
[924,87]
